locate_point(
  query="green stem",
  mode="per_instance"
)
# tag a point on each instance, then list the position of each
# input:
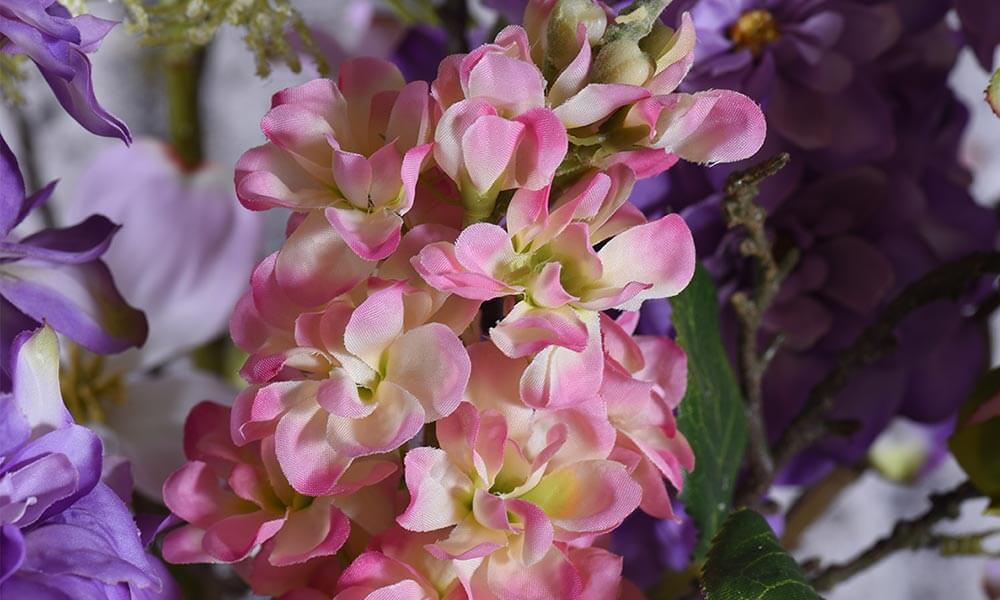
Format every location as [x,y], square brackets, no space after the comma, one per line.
[183,71]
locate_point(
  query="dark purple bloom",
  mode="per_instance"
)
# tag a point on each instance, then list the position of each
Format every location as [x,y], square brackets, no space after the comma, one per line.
[981,28]
[63,533]
[58,43]
[56,275]
[804,61]
[650,547]
[865,223]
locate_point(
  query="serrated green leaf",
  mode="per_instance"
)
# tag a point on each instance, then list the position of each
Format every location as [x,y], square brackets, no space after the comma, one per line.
[976,441]
[711,413]
[746,562]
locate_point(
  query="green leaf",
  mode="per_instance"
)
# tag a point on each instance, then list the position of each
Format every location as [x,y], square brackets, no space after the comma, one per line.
[711,413]
[746,562]
[976,441]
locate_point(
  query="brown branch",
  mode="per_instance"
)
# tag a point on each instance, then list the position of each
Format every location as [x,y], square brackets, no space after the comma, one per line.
[742,211]
[876,341]
[909,534]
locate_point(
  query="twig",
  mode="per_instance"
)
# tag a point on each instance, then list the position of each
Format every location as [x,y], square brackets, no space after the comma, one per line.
[908,534]
[947,281]
[742,211]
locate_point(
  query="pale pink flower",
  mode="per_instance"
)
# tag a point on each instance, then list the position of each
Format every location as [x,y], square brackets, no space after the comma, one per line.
[351,149]
[397,565]
[374,384]
[235,498]
[512,503]
[496,133]
[548,263]
[644,380]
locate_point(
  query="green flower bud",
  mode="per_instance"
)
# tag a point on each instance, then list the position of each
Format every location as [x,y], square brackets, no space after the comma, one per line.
[563,22]
[622,61]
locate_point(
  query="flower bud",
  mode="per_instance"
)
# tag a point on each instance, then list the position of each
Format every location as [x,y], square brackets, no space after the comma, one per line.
[565,19]
[622,61]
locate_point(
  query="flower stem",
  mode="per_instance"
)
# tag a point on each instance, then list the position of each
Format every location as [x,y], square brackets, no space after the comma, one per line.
[183,71]
[742,211]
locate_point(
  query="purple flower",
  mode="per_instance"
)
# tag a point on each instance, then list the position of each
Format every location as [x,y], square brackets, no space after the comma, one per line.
[63,533]
[802,60]
[981,28]
[651,546]
[865,224]
[58,43]
[56,275]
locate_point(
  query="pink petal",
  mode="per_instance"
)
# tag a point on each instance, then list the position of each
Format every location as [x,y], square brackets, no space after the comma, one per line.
[301,131]
[626,258]
[711,127]
[434,485]
[484,248]
[374,325]
[311,465]
[537,530]
[491,79]
[439,266]
[268,177]
[397,417]
[547,291]
[431,363]
[303,264]
[596,102]
[184,545]
[587,497]
[410,120]
[448,136]
[559,377]
[352,174]
[231,539]
[338,395]
[488,148]
[574,76]
[372,236]
[674,65]
[318,530]
[527,330]
[551,577]
[542,149]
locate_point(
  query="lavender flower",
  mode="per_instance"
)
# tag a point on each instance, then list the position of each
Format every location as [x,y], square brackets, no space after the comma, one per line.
[56,275]
[58,44]
[63,533]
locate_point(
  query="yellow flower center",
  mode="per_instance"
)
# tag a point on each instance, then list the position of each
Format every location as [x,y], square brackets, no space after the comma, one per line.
[754,30]
[87,388]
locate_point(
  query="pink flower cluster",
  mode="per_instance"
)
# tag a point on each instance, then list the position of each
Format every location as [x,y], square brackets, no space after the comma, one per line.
[440,404]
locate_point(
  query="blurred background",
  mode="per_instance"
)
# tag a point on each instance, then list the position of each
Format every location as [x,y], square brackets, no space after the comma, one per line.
[129,81]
